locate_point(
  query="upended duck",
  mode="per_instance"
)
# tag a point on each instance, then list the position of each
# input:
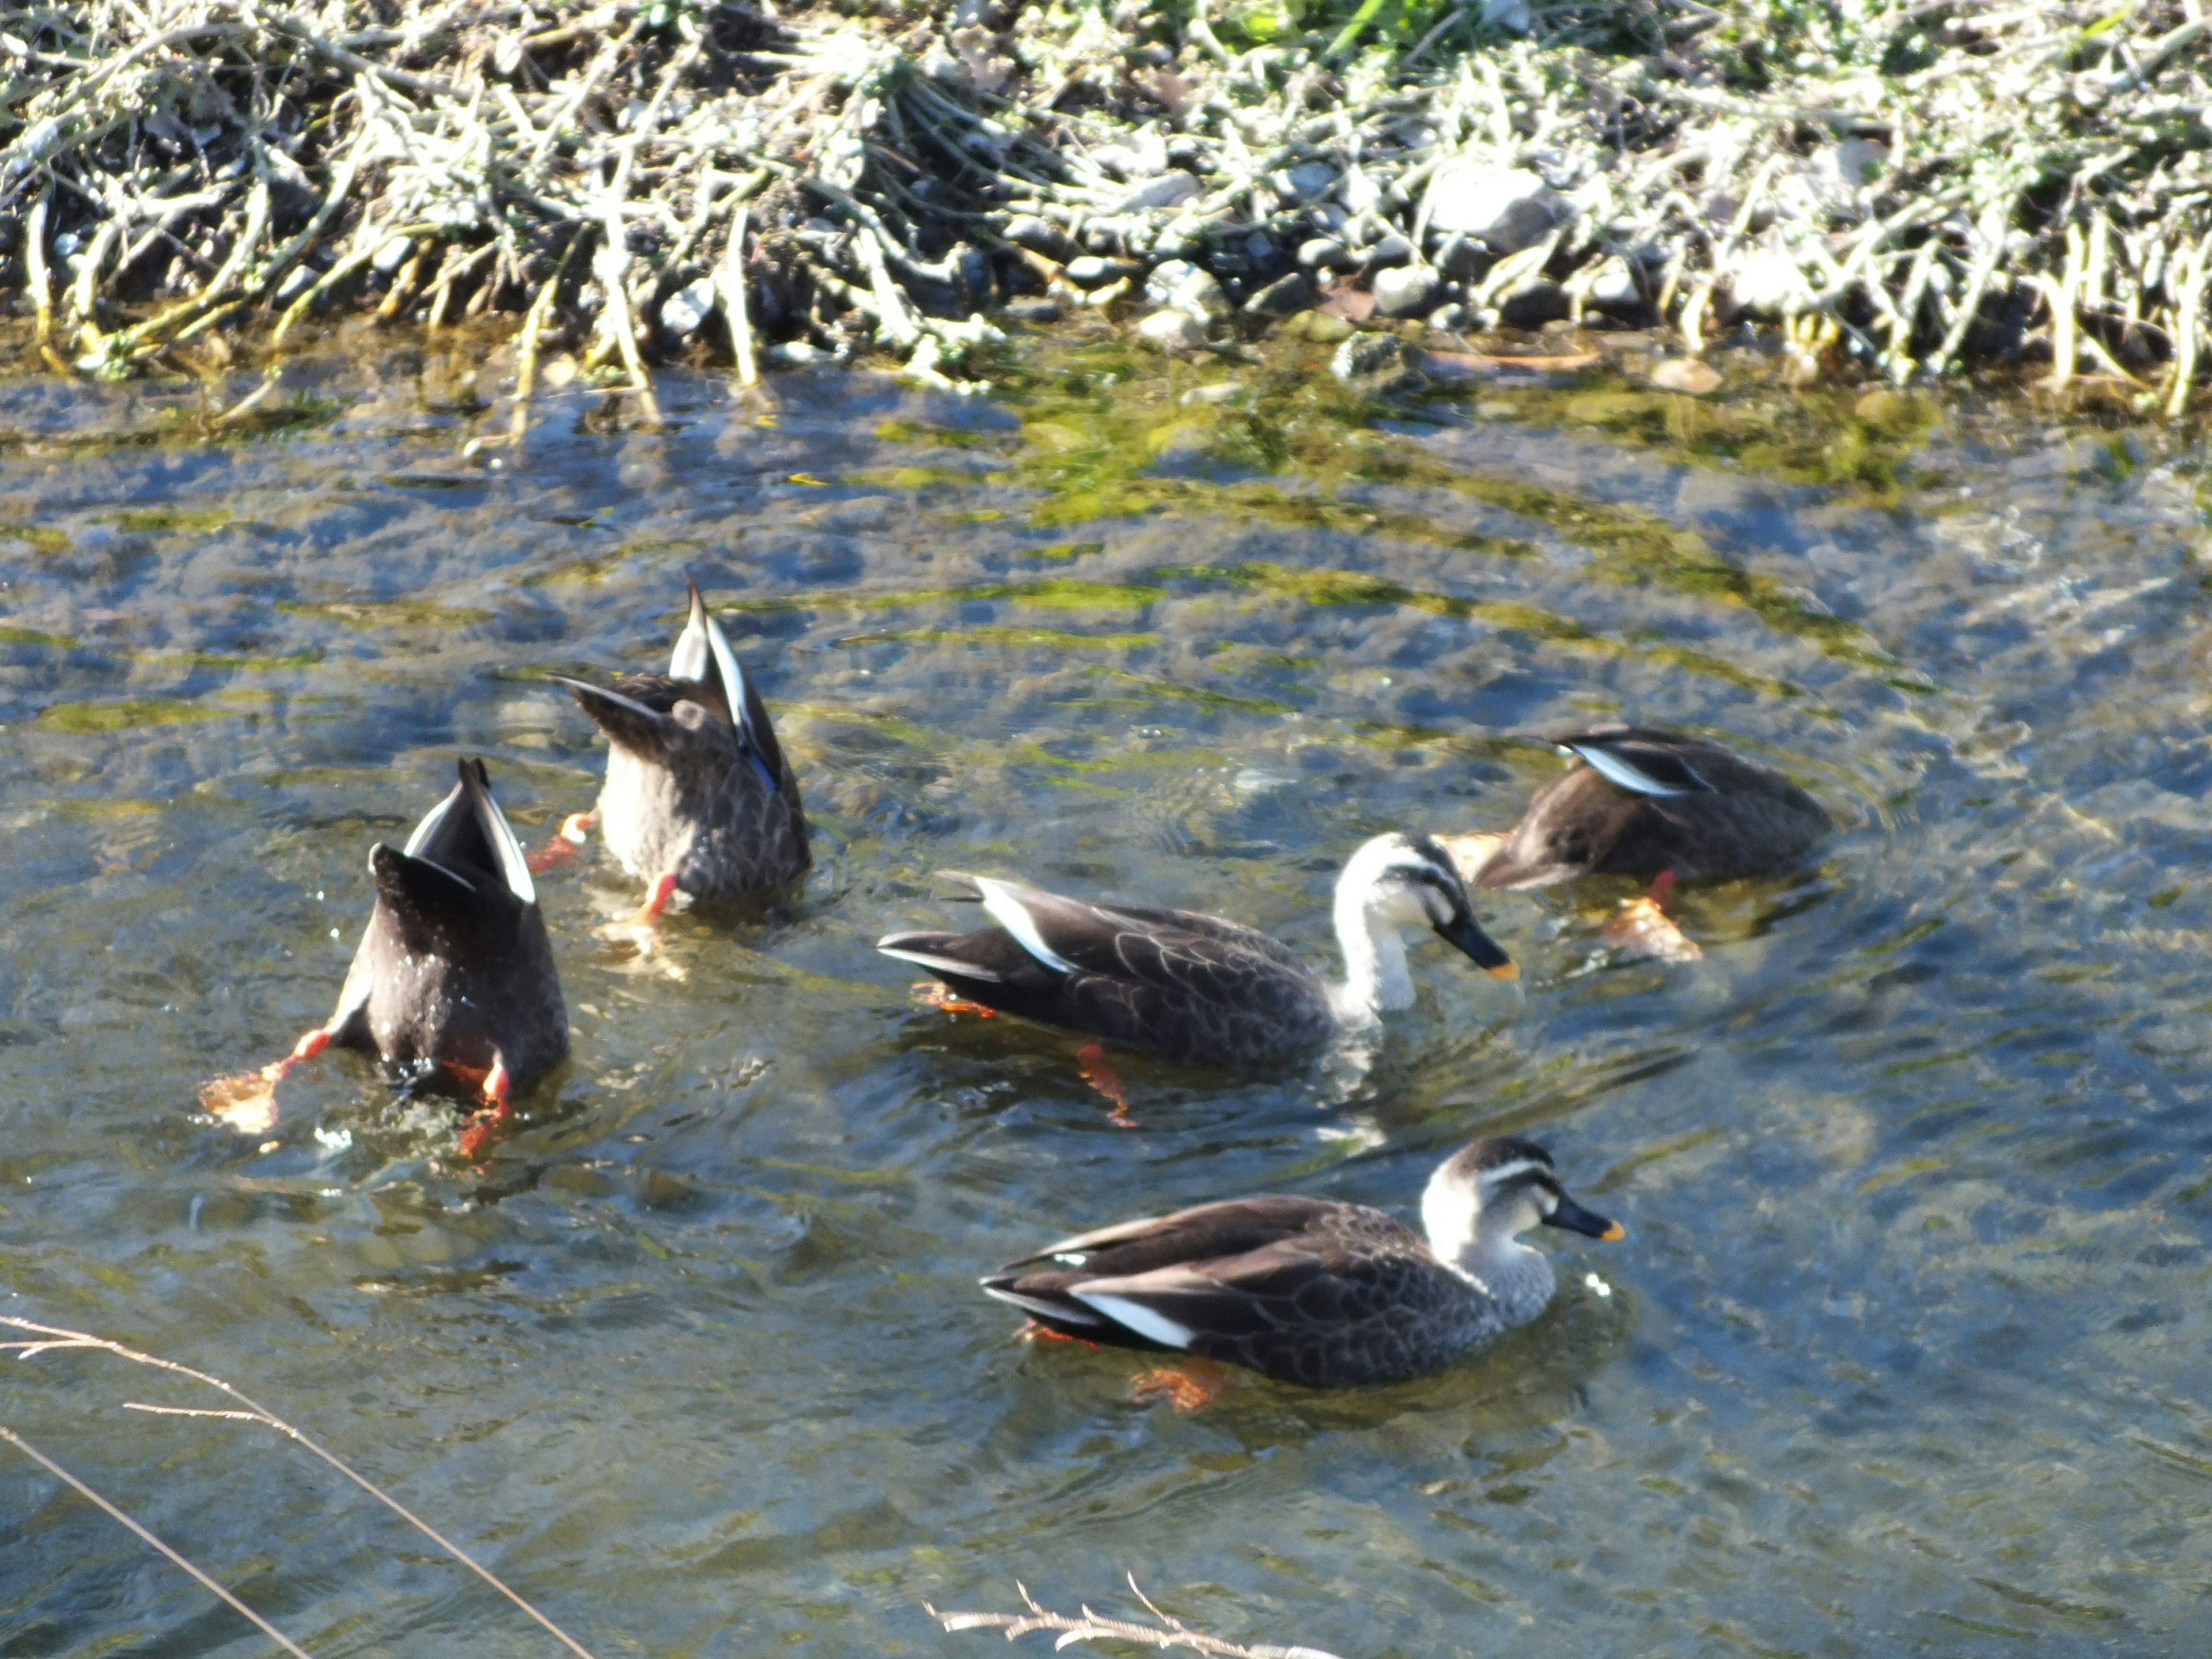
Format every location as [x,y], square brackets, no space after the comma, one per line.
[1191,987]
[699,797]
[1640,801]
[454,983]
[1314,1290]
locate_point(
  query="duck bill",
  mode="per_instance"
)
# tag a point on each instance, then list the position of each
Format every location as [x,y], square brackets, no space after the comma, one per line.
[1463,933]
[1571,1215]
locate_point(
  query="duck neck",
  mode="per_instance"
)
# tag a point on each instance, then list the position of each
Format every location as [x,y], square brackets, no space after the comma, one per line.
[1515,1276]
[1376,978]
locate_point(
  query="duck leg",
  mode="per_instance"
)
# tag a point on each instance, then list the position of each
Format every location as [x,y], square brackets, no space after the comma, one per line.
[641,928]
[1090,1061]
[247,1101]
[564,843]
[1190,1386]
[936,994]
[489,1117]
[1642,928]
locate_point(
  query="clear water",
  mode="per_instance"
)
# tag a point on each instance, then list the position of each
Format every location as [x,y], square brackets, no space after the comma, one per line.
[1904,1352]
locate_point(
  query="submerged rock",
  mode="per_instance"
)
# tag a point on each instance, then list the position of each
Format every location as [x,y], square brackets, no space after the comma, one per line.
[1380,365]
[1178,283]
[1175,332]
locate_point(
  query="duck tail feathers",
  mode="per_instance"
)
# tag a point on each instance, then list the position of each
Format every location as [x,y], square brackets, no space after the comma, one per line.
[931,950]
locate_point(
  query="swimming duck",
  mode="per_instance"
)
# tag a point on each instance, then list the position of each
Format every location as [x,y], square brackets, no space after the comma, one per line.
[1314,1290]
[1640,801]
[699,797]
[1191,987]
[453,982]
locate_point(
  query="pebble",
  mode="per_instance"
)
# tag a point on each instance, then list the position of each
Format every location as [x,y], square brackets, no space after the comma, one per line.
[1308,179]
[1534,304]
[1033,310]
[1325,253]
[1449,319]
[1764,283]
[1381,364]
[1686,375]
[1392,250]
[1200,295]
[1405,290]
[1096,271]
[1039,236]
[1506,209]
[1615,288]
[1221,392]
[1170,189]
[682,311]
[1279,299]
[1175,332]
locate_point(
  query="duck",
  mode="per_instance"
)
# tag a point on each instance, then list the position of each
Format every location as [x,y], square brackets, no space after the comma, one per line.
[1648,802]
[1183,986]
[453,983]
[699,797]
[1313,1291]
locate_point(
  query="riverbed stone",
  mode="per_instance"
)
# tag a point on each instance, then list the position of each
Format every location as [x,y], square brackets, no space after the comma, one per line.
[1391,248]
[1279,299]
[1175,333]
[1381,365]
[1534,304]
[684,311]
[1170,189]
[1405,290]
[1505,209]
[1325,253]
[1096,271]
[1040,236]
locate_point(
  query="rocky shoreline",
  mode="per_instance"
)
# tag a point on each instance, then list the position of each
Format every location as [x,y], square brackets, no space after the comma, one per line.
[1885,196]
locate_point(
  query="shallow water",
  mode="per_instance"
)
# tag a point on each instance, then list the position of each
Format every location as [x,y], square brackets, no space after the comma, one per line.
[1902,1353]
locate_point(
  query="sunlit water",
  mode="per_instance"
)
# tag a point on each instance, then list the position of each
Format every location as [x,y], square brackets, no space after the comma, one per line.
[1904,1350]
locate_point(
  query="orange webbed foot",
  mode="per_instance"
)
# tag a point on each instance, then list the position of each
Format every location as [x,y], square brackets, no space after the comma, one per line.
[1037,1332]
[484,1123]
[937,994]
[1090,1061]
[1643,929]
[1191,1387]
[563,844]
[247,1101]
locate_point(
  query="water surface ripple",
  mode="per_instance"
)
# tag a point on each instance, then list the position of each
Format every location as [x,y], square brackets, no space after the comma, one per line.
[1906,1348]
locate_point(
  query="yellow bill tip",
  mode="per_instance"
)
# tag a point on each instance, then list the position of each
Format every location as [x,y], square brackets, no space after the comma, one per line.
[1613,1233]
[1508,970]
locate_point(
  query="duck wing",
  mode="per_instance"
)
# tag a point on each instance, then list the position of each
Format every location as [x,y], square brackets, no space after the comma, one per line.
[1170,981]
[1303,1290]
[702,654]
[1648,800]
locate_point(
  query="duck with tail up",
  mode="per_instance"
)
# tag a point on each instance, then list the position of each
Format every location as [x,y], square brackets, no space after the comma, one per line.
[699,797]
[1315,1290]
[1189,986]
[1644,801]
[454,983]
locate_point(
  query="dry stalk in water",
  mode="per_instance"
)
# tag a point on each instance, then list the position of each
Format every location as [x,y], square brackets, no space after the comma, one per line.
[1169,1632]
[147,1538]
[51,1339]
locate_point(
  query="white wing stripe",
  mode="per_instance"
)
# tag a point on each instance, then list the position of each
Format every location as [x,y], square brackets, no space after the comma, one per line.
[1007,911]
[1145,1322]
[1617,770]
[431,820]
[511,864]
